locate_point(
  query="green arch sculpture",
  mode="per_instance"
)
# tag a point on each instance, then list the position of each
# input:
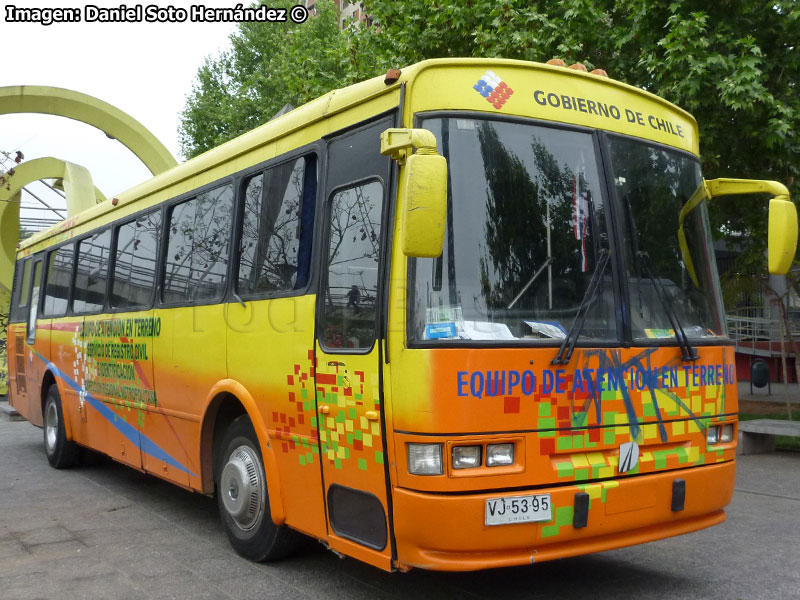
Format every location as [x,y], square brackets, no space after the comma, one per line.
[77,183]
[80,191]
[92,111]
[81,194]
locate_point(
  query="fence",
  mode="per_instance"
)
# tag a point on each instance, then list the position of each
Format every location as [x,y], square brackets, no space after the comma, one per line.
[757,329]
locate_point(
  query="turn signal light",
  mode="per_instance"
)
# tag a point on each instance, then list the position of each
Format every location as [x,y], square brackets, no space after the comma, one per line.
[425,459]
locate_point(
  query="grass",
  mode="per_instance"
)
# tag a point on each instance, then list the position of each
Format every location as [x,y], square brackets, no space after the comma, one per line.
[782,442]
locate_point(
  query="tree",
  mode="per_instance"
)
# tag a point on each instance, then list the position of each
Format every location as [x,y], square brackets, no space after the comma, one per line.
[7,162]
[268,66]
[733,64]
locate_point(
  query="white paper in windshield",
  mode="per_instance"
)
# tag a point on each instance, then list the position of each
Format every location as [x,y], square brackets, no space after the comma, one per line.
[483,330]
[447,322]
[547,329]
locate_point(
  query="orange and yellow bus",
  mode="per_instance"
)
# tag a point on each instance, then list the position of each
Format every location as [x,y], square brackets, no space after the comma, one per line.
[463,316]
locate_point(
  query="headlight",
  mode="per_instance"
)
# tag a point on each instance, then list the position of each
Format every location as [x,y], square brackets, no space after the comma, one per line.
[465,457]
[727,433]
[425,459]
[499,454]
[712,437]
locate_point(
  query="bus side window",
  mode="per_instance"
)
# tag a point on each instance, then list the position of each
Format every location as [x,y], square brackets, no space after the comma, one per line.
[34,304]
[15,287]
[91,272]
[276,228]
[21,291]
[134,276]
[199,246]
[59,276]
[350,312]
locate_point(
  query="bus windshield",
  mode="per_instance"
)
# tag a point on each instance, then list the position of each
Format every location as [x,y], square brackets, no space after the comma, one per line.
[652,184]
[527,227]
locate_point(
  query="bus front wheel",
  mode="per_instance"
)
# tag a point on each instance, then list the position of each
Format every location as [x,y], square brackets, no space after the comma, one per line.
[241,488]
[61,452]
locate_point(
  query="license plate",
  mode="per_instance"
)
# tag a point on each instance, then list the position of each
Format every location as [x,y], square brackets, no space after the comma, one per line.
[518,509]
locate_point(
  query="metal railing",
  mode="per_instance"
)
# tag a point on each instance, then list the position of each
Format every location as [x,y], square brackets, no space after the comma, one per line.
[757,329]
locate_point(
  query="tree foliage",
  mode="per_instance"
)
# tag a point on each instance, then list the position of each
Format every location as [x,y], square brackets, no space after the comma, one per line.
[734,64]
[267,66]
[7,163]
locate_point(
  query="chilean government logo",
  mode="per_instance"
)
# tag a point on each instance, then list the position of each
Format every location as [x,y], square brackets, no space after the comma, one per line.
[494,89]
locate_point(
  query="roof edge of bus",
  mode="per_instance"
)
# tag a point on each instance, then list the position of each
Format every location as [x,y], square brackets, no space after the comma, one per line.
[417,68]
[327,105]
[308,113]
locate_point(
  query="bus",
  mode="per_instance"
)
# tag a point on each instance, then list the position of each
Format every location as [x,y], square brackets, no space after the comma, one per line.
[462,316]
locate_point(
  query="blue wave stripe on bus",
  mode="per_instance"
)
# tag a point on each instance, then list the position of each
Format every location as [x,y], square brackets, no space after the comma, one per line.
[137,438]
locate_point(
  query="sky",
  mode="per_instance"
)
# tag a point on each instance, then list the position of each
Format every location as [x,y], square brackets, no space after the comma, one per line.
[144,69]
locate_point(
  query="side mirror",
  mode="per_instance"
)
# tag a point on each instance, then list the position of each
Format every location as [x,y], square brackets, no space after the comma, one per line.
[782,235]
[782,219]
[422,193]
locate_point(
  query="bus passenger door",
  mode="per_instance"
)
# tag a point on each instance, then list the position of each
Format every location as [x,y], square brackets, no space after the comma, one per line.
[348,355]
[33,365]
[15,338]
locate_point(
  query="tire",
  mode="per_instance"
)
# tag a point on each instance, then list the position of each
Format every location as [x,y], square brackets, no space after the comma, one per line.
[242,498]
[61,452]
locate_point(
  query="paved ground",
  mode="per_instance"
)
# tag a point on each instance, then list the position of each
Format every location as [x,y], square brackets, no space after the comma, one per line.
[777,394]
[107,532]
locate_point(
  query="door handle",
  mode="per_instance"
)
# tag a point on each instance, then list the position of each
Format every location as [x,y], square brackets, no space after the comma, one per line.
[324,409]
[371,415]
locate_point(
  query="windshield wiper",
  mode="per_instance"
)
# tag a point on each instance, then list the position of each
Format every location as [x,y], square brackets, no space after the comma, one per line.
[688,353]
[568,345]
[547,261]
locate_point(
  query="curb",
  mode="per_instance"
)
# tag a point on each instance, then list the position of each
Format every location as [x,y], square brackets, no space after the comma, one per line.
[9,413]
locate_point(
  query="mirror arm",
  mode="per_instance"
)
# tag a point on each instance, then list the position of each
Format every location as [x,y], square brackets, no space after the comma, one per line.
[700,194]
[782,240]
[399,143]
[728,187]
[421,191]
[723,187]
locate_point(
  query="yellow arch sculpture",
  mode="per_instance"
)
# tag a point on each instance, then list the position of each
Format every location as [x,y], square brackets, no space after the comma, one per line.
[80,191]
[92,111]
[75,180]
[77,183]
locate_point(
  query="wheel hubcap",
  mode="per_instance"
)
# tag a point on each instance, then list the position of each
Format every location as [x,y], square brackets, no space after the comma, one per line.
[51,426]
[242,487]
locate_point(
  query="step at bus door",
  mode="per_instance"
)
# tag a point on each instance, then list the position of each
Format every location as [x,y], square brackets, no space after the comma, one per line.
[348,356]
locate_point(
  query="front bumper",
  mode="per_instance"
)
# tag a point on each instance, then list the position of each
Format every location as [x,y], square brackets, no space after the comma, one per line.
[447,532]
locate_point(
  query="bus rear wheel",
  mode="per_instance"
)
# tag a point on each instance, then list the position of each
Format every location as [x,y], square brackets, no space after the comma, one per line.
[61,452]
[241,487]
